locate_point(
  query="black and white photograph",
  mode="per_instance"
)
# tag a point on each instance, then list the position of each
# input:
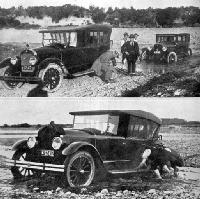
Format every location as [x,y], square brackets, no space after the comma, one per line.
[89,148]
[100,99]
[93,48]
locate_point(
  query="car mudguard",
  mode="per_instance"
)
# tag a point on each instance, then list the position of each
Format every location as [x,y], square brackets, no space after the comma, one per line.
[75,146]
[21,144]
[5,62]
[45,62]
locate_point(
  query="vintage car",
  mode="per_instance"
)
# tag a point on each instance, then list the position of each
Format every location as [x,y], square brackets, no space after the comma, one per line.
[167,48]
[67,52]
[100,142]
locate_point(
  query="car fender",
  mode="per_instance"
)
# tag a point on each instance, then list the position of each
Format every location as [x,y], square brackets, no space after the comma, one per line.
[45,62]
[75,146]
[21,144]
[5,62]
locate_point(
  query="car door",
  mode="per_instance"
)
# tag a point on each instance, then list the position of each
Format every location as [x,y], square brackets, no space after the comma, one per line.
[135,142]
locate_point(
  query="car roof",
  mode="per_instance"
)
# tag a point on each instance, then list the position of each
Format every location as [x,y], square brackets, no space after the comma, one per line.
[77,28]
[138,113]
[181,34]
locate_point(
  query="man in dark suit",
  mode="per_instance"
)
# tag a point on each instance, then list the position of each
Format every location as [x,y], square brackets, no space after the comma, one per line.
[131,49]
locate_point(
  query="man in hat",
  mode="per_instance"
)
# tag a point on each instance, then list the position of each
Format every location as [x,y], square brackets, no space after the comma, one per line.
[131,49]
[103,66]
[123,41]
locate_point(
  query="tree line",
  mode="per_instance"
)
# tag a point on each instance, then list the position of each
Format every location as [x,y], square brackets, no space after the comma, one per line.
[168,17]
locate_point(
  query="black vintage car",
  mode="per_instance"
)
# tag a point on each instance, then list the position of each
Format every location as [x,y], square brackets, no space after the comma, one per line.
[167,48]
[106,141]
[66,52]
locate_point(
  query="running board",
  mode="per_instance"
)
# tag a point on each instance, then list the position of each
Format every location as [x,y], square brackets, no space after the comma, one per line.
[127,171]
[86,72]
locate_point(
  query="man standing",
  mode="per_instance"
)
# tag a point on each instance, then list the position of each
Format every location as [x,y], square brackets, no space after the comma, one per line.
[123,41]
[131,49]
[103,66]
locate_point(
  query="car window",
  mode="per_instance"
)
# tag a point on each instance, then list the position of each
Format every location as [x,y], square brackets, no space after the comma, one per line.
[93,39]
[137,127]
[105,123]
[73,39]
[179,38]
[141,128]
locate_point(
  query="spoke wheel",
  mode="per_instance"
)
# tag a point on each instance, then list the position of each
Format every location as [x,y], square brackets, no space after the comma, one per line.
[52,77]
[80,169]
[172,58]
[20,172]
[11,85]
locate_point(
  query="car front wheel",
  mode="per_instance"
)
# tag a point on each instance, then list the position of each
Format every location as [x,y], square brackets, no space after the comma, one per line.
[79,169]
[20,172]
[52,77]
[171,58]
[10,85]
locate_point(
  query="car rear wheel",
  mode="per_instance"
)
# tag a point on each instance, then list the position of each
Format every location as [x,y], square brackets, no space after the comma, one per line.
[189,51]
[79,169]
[20,172]
[10,85]
[171,58]
[52,77]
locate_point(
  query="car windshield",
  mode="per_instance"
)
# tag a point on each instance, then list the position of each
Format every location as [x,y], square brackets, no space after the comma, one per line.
[104,123]
[66,38]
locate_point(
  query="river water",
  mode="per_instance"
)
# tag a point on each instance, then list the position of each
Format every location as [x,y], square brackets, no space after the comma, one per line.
[146,35]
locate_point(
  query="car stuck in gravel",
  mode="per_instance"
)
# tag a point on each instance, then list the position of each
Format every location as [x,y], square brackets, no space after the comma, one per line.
[100,142]
[67,52]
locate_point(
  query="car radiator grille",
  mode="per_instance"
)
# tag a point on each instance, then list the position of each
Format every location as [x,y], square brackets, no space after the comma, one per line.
[25,57]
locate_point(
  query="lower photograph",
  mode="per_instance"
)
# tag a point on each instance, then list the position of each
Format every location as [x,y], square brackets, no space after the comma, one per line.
[99,148]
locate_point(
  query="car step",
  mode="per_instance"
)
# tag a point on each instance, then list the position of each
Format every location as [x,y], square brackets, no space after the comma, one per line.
[127,171]
[89,71]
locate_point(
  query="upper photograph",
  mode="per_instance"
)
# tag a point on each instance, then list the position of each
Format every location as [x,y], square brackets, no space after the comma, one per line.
[98,48]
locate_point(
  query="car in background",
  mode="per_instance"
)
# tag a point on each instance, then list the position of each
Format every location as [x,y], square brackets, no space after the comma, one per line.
[168,48]
[66,52]
[100,142]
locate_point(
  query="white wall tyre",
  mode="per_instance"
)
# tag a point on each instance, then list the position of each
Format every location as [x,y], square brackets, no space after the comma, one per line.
[79,169]
[52,77]
[10,85]
[172,58]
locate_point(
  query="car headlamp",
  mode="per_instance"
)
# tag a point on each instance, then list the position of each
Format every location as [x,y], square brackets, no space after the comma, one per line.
[31,142]
[57,142]
[32,60]
[13,60]
[164,49]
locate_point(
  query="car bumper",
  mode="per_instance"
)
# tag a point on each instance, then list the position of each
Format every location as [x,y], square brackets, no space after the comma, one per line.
[35,165]
[20,79]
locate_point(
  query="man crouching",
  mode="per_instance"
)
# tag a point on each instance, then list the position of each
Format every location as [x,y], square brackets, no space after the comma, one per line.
[104,66]
[161,160]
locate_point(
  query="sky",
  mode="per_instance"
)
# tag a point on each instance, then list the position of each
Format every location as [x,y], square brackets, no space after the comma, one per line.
[137,4]
[34,111]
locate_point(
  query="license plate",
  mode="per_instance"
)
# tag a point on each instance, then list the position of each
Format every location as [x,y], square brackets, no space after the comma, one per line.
[156,52]
[27,68]
[47,153]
